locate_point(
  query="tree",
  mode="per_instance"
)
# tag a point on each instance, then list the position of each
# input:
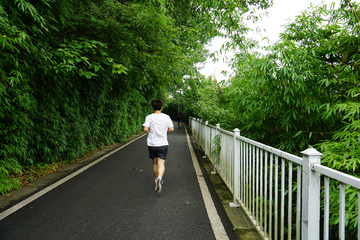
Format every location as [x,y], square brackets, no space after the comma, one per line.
[305,92]
[76,75]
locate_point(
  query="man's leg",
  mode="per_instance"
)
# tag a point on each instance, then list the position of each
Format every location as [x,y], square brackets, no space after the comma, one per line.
[158,167]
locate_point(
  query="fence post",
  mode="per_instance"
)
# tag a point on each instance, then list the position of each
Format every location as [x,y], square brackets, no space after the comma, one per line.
[311,195]
[200,133]
[236,170]
[216,156]
[197,128]
[190,123]
[205,138]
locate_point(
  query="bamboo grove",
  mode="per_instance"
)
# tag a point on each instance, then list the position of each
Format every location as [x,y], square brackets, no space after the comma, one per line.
[78,75]
[303,91]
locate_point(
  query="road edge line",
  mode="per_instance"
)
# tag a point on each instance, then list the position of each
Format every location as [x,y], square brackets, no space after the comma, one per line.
[216,224]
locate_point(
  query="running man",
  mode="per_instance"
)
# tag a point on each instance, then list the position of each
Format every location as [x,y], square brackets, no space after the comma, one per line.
[157,125]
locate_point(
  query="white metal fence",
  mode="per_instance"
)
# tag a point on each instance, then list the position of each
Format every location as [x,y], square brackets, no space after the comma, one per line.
[280,192]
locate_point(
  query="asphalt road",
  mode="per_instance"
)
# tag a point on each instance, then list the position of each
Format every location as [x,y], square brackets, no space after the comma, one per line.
[115,199]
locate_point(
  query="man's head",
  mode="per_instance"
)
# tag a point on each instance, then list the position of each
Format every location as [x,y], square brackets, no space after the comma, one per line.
[157,104]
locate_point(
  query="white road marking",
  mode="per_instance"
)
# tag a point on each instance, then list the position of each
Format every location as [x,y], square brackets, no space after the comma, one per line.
[58,183]
[216,224]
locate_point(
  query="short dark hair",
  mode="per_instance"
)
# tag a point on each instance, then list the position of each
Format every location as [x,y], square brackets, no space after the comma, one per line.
[157,104]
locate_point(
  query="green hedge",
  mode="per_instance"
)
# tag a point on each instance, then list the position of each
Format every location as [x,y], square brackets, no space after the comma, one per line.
[76,76]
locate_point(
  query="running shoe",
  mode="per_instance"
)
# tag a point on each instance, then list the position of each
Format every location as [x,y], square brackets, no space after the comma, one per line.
[158,184]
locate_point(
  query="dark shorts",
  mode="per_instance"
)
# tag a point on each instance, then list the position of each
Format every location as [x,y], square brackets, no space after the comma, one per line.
[179,121]
[160,152]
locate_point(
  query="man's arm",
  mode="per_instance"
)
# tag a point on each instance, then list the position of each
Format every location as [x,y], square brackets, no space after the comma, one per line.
[146,129]
[170,129]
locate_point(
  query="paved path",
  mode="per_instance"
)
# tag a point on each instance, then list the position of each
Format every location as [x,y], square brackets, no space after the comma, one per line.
[115,199]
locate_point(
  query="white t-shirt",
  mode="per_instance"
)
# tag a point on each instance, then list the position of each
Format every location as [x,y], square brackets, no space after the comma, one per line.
[158,125]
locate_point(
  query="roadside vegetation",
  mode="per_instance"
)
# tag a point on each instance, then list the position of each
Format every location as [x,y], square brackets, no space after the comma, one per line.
[303,91]
[76,76]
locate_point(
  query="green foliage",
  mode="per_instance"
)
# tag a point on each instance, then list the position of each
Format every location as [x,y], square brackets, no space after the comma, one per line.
[351,211]
[217,148]
[8,184]
[204,98]
[7,167]
[76,76]
[199,22]
[284,98]
[342,151]
[305,92]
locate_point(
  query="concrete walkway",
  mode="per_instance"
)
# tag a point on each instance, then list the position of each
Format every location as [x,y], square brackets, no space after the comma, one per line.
[113,197]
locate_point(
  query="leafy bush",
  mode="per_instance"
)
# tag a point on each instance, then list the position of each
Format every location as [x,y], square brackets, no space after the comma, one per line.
[76,76]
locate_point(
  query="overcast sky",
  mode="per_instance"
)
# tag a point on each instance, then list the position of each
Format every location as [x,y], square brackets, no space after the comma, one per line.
[280,13]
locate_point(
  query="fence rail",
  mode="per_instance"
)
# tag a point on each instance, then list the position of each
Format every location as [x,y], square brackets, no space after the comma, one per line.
[280,192]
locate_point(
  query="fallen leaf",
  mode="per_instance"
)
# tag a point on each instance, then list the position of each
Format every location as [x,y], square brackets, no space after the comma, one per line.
[140,170]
